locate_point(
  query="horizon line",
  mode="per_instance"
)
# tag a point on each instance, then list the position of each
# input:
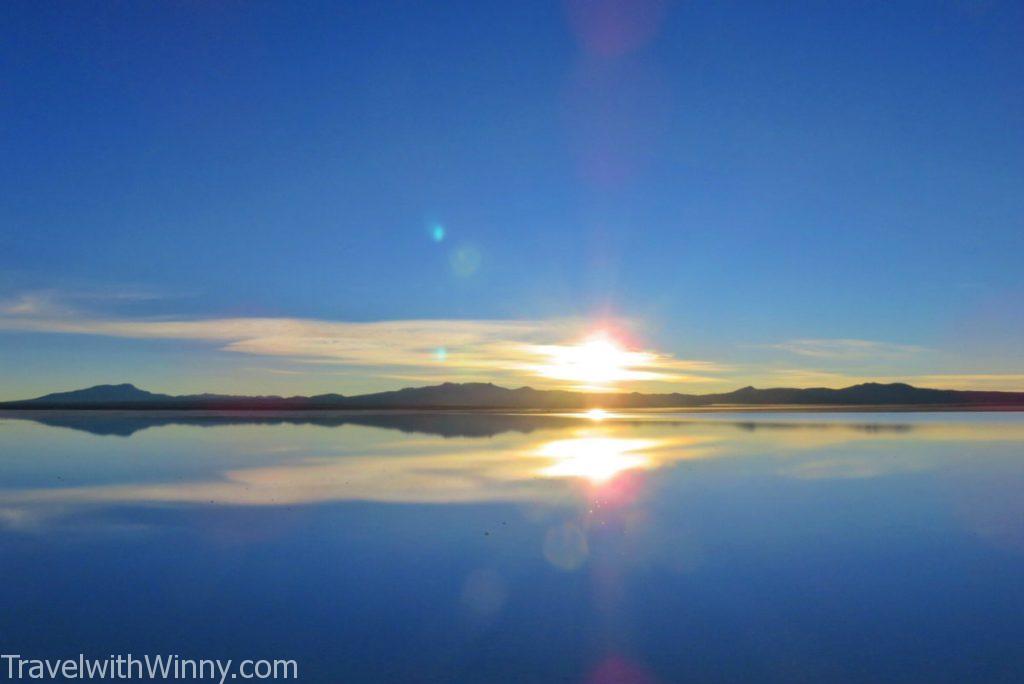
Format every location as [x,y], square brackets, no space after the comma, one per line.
[610,392]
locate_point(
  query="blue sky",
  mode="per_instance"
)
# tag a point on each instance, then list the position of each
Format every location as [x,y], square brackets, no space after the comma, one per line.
[775,193]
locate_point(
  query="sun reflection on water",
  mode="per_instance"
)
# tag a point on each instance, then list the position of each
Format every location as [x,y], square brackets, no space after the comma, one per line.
[537,459]
[597,459]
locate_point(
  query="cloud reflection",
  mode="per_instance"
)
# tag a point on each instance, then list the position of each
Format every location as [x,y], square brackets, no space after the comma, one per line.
[573,461]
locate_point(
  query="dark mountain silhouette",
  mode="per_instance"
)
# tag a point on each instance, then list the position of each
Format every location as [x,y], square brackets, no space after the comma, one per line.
[475,395]
[101,394]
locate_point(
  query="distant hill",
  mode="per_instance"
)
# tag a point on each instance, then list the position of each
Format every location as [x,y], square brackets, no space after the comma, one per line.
[101,394]
[476,395]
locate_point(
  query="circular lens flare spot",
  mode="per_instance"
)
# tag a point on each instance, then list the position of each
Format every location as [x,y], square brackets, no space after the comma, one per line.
[465,261]
[565,546]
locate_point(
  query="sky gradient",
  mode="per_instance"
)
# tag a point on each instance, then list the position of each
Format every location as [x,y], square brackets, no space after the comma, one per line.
[306,197]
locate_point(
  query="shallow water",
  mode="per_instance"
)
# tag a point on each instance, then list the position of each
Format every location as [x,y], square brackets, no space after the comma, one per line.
[411,547]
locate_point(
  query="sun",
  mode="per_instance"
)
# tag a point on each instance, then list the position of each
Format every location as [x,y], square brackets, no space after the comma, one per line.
[596,362]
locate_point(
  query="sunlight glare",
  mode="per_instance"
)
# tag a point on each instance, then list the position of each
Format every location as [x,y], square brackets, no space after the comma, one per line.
[597,459]
[596,363]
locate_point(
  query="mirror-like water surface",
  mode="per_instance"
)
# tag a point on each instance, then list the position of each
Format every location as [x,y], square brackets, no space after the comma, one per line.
[407,547]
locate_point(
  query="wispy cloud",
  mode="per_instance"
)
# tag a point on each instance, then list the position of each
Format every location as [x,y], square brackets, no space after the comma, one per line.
[847,349]
[554,353]
[805,377]
[58,303]
[41,303]
[521,350]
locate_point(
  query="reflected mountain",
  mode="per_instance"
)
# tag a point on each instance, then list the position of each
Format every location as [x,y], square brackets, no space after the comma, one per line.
[437,423]
[879,428]
[448,424]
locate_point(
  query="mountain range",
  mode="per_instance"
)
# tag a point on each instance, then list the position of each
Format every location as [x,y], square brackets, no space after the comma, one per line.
[476,395]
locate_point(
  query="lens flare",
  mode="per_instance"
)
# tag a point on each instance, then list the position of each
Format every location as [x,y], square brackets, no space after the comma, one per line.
[465,261]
